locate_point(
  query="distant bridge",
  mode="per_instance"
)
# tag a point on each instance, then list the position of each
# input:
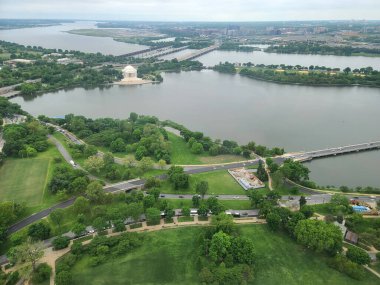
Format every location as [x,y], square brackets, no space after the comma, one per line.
[134,53]
[198,53]
[309,155]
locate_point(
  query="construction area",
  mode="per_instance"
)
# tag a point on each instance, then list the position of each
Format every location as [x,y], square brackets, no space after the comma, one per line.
[246,178]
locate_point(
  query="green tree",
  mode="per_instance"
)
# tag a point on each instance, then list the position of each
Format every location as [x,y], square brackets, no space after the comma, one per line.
[302,201]
[78,229]
[60,242]
[95,192]
[256,198]
[161,164]
[146,163]
[197,148]
[153,216]
[81,206]
[57,217]
[64,278]
[358,255]
[223,222]
[261,173]
[319,236]
[243,250]
[27,255]
[214,205]
[94,163]
[118,145]
[273,221]
[202,188]
[185,211]
[219,246]
[99,224]
[195,201]
[295,171]
[39,231]
[203,210]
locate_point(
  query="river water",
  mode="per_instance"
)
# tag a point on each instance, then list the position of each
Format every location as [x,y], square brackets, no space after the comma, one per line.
[260,57]
[57,37]
[230,106]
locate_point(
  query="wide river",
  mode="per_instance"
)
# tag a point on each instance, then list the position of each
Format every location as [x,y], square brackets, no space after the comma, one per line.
[242,109]
[233,107]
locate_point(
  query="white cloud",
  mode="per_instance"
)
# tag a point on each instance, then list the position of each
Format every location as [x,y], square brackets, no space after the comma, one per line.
[196,10]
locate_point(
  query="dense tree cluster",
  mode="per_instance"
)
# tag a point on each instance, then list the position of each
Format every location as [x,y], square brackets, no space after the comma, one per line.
[237,47]
[326,76]
[9,213]
[24,140]
[100,249]
[67,180]
[319,236]
[316,48]
[226,257]
[9,109]
[139,135]
[178,178]
[168,65]
[225,68]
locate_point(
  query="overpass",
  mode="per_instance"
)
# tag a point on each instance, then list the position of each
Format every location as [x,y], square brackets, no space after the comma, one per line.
[198,53]
[309,155]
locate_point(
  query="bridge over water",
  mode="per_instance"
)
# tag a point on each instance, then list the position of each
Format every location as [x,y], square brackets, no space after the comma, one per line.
[309,155]
[198,53]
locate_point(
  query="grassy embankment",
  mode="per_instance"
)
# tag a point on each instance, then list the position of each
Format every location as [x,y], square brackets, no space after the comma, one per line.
[25,180]
[181,154]
[169,257]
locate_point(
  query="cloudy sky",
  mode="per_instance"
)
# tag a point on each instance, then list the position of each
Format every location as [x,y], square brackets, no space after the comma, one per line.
[192,10]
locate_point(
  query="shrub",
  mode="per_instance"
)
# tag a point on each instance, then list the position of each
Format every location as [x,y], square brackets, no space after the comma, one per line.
[77,248]
[39,231]
[60,242]
[358,255]
[343,265]
[42,273]
[63,278]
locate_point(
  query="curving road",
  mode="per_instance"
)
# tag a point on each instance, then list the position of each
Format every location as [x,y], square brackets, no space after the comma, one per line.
[138,183]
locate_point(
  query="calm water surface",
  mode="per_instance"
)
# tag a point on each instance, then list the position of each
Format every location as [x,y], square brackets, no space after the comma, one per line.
[260,57]
[234,107]
[56,37]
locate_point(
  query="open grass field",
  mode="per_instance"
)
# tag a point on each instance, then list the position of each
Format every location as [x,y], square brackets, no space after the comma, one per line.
[23,180]
[26,180]
[181,154]
[168,257]
[220,182]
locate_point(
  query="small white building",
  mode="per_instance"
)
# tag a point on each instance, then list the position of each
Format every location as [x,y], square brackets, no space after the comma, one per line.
[130,77]
[129,73]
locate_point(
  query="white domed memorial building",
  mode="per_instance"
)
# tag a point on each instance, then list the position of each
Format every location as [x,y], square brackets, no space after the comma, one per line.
[130,77]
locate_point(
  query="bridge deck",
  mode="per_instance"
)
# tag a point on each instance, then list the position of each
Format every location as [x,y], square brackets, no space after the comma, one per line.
[309,155]
[198,53]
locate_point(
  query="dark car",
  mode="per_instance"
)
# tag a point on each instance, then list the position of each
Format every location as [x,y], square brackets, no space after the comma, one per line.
[162,195]
[180,196]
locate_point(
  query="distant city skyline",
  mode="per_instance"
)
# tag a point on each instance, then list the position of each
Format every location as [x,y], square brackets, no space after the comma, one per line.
[191,10]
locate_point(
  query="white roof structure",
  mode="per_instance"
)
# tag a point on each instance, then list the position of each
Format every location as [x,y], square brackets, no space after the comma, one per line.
[129,69]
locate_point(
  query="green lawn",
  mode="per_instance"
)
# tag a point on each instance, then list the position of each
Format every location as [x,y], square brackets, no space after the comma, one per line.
[181,154]
[23,180]
[26,179]
[169,257]
[220,182]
